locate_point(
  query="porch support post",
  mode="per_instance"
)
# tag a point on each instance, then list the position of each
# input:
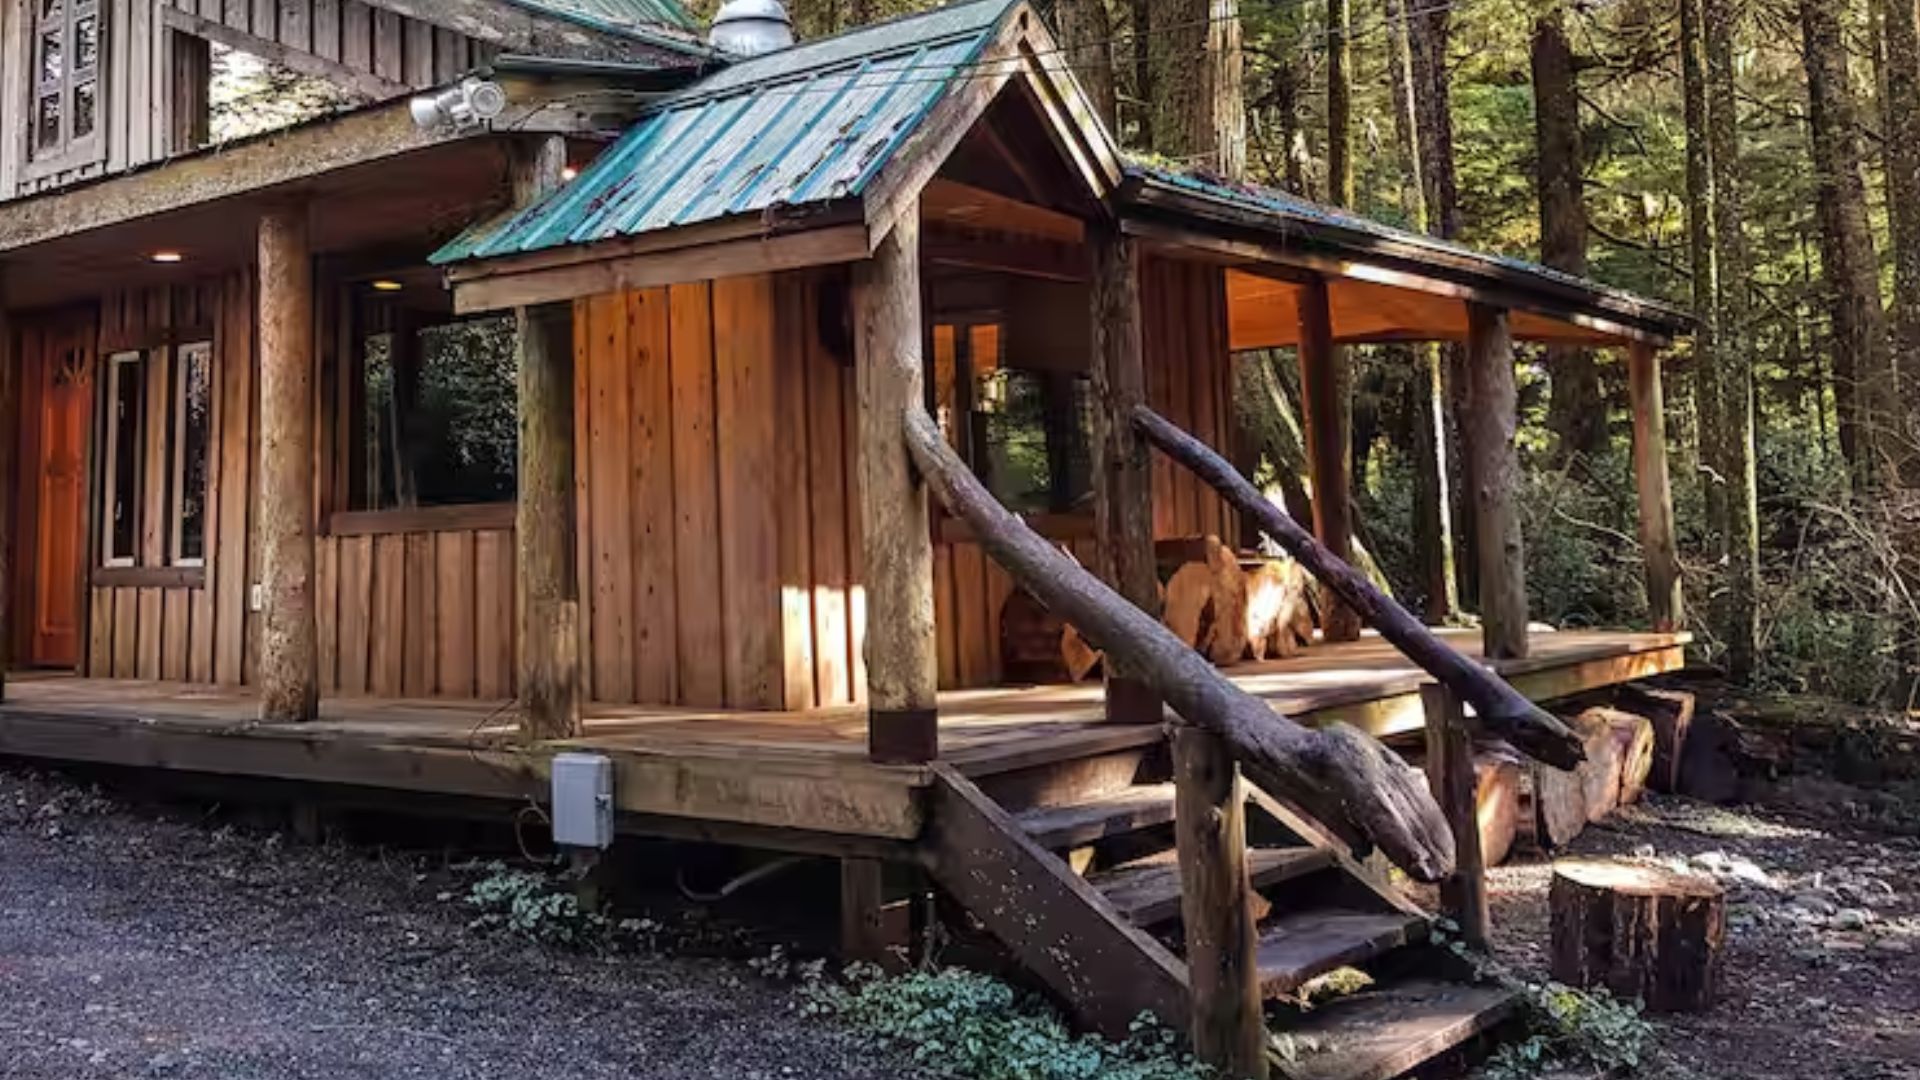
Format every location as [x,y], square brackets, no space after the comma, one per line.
[1326,397]
[9,468]
[1665,604]
[1493,464]
[902,651]
[550,697]
[1210,828]
[1450,776]
[289,642]
[1123,465]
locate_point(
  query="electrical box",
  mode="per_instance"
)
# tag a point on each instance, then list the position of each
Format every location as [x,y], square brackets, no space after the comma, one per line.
[583,801]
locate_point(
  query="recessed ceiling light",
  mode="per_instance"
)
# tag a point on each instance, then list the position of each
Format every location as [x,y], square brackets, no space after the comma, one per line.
[167,257]
[387,285]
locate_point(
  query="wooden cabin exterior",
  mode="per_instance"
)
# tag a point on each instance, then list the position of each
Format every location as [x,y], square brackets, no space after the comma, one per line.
[388,457]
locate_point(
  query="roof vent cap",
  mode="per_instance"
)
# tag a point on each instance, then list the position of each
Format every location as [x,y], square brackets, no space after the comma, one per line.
[746,28]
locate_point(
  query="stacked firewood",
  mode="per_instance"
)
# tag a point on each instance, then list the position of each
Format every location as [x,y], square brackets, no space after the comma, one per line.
[1228,609]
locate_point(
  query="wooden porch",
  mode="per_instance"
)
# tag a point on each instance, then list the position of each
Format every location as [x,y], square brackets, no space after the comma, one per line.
[800,776]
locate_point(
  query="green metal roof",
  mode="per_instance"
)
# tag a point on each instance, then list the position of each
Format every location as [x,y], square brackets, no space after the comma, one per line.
[809,125]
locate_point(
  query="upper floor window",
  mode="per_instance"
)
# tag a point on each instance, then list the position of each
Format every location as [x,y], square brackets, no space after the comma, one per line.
[67,41]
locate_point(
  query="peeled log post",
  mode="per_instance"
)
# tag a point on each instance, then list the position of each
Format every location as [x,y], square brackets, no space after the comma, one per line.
[1494,464]
[289,640]
[550,691]
[1665,604]
[1336,774]
[1326,398]
[1640,931]
[1500,708]
[1223,972]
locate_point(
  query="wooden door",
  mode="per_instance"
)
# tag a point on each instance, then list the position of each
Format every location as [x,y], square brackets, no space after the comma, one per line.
[56,406]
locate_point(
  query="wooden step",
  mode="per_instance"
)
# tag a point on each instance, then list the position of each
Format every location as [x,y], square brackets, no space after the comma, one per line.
[1116,813]
[1385,1032]
[1300,945]
[1147,891]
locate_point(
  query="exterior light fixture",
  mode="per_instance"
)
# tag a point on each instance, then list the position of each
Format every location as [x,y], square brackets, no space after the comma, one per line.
[469,104]
[167,258]
[387,285]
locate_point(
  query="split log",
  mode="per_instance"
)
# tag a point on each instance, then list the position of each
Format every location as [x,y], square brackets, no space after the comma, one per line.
[1229,644]
[1037,646]
[1497,804]
[1633,750]
[1277,606]
[1565,802]
[1189,612]
[1671,714]
[1499,707]
[1079,655]
[1640,931]
[1336,774]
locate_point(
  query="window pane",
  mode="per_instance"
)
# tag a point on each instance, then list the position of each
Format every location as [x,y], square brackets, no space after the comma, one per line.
[47,124]
[194,411]
[1019,472]
[123,492]
[84,109]
[86,43]
[440,420]
[51,66]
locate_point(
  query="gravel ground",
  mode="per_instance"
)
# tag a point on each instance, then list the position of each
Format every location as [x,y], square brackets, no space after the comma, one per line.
[1822,976]
[137,946]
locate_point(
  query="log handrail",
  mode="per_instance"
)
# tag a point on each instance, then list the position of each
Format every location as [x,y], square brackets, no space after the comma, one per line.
[1342,777]
[1500,708]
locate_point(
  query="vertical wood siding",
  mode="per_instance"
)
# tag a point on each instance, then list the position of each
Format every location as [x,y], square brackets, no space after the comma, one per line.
[1190,381]
[719,550]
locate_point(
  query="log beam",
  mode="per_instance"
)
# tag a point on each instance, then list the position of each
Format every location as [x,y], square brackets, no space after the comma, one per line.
[1450,773]
[544,524]
[1336,774]
[1493,462]
[1665,605]
[1326,398]
[1123,463]
[902,650]
[1498,706]
[1210,829]
[289,666]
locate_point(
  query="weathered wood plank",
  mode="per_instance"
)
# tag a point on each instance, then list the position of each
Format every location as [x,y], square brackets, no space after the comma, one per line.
[175,633]
[494,645]
[355,615]
[235,346]
[454,614]
[796,319]
[421,660]
[830,505]
[700,638]
[609,453]
[650,490]
[745,392]
[386,676]
[326,592]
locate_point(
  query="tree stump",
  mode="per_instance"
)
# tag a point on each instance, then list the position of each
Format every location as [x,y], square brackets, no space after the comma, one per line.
[1638,930]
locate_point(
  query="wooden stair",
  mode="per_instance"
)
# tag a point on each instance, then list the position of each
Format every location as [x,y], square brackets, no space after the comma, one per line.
[1071,863]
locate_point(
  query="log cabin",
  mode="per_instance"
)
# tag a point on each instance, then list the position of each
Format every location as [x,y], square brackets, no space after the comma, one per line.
[551,385]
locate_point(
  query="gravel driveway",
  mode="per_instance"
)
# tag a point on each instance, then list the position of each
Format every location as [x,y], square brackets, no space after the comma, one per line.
[134,946]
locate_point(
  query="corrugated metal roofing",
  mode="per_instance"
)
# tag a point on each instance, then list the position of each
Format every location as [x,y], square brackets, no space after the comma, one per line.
[1284,207]
[807,125]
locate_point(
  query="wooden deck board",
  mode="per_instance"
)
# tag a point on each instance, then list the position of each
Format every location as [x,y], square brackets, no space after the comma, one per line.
[799,770]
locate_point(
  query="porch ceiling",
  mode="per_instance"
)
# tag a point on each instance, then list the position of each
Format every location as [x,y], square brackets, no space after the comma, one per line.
[1263,313]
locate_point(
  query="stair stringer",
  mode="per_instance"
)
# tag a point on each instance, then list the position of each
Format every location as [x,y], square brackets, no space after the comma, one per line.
[1060,928]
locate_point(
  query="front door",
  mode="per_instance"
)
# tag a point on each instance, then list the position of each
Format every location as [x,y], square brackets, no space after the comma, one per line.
[56,400]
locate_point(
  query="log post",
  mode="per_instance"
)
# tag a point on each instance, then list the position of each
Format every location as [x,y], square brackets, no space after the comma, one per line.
[1326,397]
[902,650]
[1210,829]
[1450,775]
[1493,462]
[544,524]
[289,640]
[1665,606]
[1123,463]
[10,379]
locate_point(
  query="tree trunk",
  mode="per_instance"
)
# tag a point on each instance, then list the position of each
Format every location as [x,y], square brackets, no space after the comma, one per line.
[1733,457]
[1337,775]
[1851,265]
[1197,81]
[1499,707]
[1703,257]
[1340,103]
[1086,37]
[1576,410]
[1901,108]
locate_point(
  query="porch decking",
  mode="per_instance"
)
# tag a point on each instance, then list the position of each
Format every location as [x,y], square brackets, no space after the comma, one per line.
[788,773]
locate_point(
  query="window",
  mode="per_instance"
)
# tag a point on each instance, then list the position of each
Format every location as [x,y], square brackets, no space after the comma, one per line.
[126,416]
[177,425]
[435,421]
[66,100]
[1026,430]
[192,443]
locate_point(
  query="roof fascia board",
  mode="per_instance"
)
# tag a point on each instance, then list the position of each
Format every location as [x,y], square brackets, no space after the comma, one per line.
[1014,52]
[520,29]
[1382,272]
[690,263]
[1443,267]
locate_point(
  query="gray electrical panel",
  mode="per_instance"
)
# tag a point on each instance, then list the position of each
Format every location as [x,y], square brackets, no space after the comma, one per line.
[583,801]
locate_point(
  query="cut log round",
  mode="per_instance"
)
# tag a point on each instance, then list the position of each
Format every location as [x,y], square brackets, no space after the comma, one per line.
[1276,601]
[1335,774]
[1189,610]
[1037,646]
[1497,804]
[1633,742]
[1671,714]
[1565,802]
[1079,655]
[1640,931]
[1229,645]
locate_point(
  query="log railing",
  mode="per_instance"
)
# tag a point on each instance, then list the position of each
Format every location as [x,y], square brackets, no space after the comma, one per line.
[1499,708]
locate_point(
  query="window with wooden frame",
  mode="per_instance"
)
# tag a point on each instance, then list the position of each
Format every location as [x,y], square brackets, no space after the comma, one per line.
[158,441]
[65,124]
